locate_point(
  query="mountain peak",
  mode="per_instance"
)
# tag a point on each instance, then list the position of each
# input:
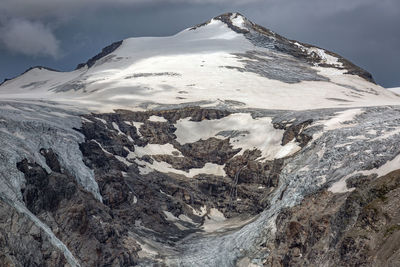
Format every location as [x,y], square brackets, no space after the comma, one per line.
[104,52]
[232,16]
[229,53]
[234,20]
[262,37]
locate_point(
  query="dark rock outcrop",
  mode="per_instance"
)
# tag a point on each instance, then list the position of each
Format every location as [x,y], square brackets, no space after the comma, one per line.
[294,131]
[204,190]
[263,37]
[143,207]
[358,228]
[104,52]
[23,243]
[89,228]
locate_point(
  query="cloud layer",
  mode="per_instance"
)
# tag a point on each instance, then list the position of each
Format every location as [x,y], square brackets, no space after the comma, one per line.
[29,38]
[59,8]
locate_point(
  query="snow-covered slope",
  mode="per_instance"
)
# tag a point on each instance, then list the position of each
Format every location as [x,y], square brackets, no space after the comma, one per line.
[226,61]
[395,90]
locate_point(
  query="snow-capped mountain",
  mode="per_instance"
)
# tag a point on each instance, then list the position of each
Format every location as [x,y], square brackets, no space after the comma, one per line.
[223,145]
[224,61]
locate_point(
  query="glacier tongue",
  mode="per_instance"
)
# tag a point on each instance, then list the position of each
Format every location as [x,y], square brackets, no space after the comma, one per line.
[25,129]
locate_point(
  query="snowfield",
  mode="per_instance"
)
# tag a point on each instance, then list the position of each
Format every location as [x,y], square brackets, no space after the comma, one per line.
[395,90]
[211,65]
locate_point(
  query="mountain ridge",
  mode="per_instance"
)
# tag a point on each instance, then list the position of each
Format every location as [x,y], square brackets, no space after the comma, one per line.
[227,19]
[229,53]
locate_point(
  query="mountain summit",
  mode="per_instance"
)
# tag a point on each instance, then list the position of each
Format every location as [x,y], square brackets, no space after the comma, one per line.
[226,60]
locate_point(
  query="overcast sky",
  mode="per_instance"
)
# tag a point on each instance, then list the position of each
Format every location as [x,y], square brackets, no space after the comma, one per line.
[62,33]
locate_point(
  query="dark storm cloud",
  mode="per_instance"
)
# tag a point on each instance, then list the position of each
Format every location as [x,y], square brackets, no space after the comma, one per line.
[365,31]
[24,25]
[29,38]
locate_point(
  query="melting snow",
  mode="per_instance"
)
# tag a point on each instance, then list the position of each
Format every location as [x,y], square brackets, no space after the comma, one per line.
[321,53]
[116,127]
[388,167]
[137,126]
[341,186]
[102,120]
[339,121]
[209,168]
[157,119]
[257,134]
[155,149]
[214,220]
[237,20]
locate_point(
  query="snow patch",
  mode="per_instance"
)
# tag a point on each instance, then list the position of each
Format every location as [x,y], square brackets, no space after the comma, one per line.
[101,147]
[209,168]
[155,149]
[388,167]
[102,120]
[340,186]
[137,126]
[238,20]
[256,133]
[201,212]
[322,54]
[339,121]
[157,119]
[214,220]
[123,160]
[288,149]
[116,127]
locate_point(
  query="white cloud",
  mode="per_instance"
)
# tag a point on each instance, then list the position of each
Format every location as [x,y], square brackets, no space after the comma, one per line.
[29,38]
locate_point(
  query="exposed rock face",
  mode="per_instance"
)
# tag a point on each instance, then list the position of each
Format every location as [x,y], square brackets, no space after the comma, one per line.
[104,52]
[360,228]
[294,131]
[75,216]
[22,243]
[161,206]
[205,190]
[171,199]
[263,37]
[141,205]
[197,154]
